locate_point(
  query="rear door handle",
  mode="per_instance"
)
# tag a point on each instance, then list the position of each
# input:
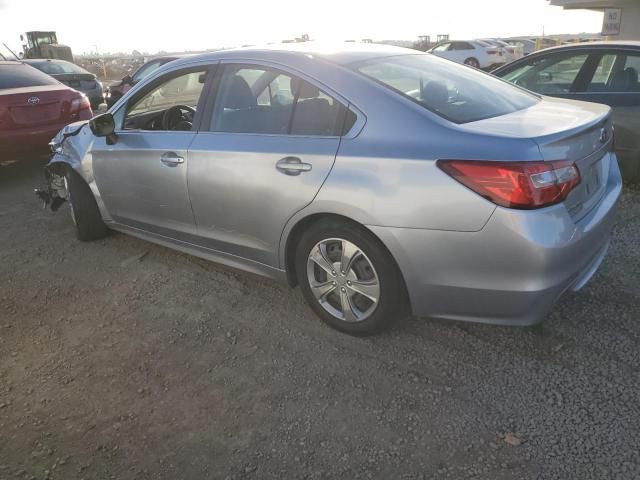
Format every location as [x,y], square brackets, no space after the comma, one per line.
[292,166]
[171,159]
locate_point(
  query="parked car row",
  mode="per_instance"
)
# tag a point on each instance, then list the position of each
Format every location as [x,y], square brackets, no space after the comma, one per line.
[381,180]
[483,53]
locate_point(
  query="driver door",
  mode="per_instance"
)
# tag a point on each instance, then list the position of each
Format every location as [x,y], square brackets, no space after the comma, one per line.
[142,173]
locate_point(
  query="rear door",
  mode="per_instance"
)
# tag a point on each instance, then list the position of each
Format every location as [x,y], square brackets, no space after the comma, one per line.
[270,142]
[142,175]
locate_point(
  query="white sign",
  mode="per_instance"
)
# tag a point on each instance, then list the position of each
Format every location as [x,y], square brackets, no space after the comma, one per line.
[611,22]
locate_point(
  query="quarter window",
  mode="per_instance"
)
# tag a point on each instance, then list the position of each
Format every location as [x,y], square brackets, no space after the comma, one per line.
[262,100]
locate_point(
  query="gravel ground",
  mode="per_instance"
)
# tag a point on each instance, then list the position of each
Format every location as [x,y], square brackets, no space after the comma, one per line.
[124,360]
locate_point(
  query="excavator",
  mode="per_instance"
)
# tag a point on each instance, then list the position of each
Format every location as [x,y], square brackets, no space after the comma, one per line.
[44,45]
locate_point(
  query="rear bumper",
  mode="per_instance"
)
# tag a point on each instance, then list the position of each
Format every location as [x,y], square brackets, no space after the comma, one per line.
[513,270]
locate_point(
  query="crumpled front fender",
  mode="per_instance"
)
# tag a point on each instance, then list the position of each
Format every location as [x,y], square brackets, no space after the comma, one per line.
[68,150]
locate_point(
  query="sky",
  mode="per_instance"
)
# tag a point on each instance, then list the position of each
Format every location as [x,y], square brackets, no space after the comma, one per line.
[152,26]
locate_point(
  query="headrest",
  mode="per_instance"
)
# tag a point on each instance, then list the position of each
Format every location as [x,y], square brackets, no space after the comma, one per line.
[435,94]
[306,89]
[239,95]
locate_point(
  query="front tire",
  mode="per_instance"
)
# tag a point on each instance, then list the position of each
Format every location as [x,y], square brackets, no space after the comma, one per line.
[349,278]
[85,214]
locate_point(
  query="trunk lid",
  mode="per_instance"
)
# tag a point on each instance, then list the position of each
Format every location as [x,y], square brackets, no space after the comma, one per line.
[564,130]
[35,106]
[78,81]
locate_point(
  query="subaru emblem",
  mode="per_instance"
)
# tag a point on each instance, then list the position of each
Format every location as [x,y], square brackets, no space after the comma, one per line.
[33,100]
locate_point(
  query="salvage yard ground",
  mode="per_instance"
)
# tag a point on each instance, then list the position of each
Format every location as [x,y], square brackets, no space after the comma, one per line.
[124,360]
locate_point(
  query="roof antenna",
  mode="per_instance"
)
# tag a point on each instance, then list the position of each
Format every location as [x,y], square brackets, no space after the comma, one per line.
[12,52]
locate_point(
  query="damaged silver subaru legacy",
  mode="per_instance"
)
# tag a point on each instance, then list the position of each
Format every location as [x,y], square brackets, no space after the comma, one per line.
[382,181]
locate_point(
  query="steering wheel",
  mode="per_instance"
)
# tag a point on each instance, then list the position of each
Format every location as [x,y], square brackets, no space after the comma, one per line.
[174,118]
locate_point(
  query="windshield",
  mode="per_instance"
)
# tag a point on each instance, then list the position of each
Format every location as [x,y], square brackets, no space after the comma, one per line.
[19,75]
[456,92]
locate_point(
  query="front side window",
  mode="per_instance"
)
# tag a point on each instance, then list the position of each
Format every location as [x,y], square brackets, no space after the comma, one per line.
[261,100]
[171,105]
[555,74]
[442,48]
[455,92]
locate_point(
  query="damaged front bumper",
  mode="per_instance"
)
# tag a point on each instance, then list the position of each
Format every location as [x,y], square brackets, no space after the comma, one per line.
[55,193]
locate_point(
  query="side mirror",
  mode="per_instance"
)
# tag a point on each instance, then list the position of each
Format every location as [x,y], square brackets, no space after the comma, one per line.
[102,125]
[128,79]
[21,38]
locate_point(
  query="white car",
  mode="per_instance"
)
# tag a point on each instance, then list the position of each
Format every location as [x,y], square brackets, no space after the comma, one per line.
[473,53]
[528,45]
[511,52]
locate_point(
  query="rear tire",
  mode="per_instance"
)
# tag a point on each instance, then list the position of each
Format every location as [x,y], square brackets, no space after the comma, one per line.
[472,62]
[85,214]
[335,261]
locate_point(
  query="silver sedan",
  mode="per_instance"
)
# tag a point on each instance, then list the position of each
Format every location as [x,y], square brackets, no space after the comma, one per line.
[381,180]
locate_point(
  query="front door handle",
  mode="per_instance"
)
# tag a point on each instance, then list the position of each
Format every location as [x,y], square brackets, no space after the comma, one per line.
[292,166]
[171,159]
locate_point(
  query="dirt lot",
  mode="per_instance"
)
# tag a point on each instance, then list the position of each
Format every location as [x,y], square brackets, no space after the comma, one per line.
[114,366]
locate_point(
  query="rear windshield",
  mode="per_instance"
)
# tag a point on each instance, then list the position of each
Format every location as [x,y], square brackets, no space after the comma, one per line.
[19,75]
[55,68]
[456,92]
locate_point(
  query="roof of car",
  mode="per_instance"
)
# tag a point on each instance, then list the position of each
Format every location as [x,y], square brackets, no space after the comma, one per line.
[340,53]
[598,44]
[43,60]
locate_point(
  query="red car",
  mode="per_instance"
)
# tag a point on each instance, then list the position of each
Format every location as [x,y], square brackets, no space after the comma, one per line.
[33,108]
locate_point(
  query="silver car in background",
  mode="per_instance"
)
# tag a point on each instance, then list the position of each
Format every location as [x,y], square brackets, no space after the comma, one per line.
[381,180]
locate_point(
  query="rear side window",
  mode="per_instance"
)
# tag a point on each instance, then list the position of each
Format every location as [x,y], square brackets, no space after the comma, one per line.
[19,75]
[262,100]
[55,68]
[456,92]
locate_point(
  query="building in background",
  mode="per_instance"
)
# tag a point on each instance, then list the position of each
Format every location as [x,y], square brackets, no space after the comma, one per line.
[621,19]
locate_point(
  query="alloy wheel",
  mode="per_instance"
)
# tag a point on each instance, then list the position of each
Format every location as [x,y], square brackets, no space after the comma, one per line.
[343,280]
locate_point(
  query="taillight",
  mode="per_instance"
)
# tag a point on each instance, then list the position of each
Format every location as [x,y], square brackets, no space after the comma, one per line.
[79,103]
[492,52]
[522,185]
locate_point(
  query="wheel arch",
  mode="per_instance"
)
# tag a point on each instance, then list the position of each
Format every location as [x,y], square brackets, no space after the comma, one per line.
[296,230]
